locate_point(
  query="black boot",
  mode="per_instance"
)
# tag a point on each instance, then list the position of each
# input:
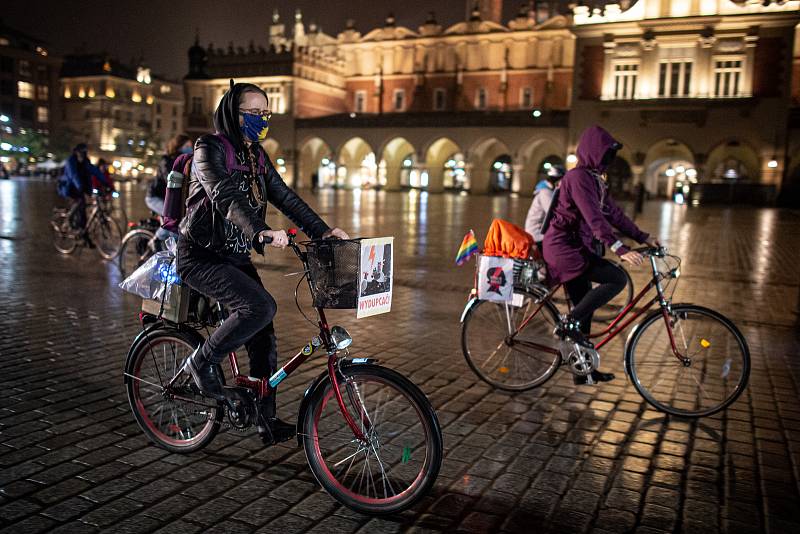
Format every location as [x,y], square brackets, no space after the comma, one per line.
[205,375]
[275,430]
[596,375]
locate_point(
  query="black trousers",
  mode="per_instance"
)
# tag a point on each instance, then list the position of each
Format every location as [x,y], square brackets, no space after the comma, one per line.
[251,309]
[585,299]
[78,212]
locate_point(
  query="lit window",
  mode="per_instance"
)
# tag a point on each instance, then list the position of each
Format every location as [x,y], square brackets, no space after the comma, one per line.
[165,89]
[359,105]
[439,99]
[675,78]
[90,93]
[42,114]
[25,90]
[67,93]
[42,92]
[110,92]
[136,97]
[399,99]
[727,78]
[41,51]
[526,97]
[625,76]
[81,93]
[4,41]
[150,99]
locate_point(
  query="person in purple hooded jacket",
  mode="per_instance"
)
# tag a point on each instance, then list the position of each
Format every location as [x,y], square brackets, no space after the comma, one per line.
[585,213]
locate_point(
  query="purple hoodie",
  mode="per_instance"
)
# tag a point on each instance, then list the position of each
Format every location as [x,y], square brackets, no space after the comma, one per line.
[585,209]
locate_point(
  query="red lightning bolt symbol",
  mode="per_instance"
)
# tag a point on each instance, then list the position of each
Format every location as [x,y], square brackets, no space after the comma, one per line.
[372,254]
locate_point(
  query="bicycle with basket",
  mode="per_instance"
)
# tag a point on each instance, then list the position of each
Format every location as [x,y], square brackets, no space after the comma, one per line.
[371,437]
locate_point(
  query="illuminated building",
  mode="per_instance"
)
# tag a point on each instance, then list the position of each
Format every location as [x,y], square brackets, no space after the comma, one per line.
[28,83]
[116,108]
[699,91]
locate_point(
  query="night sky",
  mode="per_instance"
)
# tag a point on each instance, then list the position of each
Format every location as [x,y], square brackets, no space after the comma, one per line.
[162,31]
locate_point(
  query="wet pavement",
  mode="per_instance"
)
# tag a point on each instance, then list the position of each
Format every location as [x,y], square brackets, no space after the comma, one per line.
[559,458]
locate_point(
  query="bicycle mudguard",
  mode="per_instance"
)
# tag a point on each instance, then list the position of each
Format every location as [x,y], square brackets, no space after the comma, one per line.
[317,387]
[470,303]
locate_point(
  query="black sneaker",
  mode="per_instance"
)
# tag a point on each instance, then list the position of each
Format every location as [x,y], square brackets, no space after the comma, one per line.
[571,328]
[596,375]
[276,431]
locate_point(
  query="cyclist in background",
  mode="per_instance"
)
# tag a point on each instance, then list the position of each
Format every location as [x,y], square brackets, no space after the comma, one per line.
[582,224]
[542,196]
[76,183]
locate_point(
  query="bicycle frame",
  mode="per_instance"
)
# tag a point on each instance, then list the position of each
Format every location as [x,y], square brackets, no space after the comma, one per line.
[613,329]
[263,386]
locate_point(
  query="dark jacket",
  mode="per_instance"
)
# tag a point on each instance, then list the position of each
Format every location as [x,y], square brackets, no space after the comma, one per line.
[223,214]
[77,178]
[585,210]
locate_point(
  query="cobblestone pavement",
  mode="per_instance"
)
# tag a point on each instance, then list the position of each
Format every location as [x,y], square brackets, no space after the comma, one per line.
[560,458]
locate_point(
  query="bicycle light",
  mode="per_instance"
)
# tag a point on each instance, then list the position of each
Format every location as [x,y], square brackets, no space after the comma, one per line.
[340,337]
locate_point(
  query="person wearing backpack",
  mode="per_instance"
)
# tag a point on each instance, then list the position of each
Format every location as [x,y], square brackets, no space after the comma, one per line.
[231,182]
[542,196]
[157,188]
[582,216]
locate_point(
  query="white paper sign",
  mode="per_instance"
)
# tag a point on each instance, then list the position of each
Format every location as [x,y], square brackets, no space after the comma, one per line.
[375,277]
[496,279]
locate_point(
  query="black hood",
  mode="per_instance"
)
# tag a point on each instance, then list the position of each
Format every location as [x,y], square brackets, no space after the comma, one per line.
[226,117]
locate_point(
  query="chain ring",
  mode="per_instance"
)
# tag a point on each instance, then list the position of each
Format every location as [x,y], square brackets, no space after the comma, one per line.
[582,361]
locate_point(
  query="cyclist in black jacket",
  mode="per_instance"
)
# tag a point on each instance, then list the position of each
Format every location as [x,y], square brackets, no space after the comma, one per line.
[225,219]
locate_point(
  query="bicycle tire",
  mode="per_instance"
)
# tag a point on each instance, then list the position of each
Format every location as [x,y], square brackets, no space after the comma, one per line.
[682,312]
[211,410]
[323,413]
[134,250]
[107,236]
[611,311]
[505,370]
[64,239]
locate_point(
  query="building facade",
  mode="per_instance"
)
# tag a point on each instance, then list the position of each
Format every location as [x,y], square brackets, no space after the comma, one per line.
[29,99]
[124,113]
[699,91]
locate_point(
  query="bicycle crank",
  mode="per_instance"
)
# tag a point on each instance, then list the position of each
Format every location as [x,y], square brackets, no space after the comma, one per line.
[581,360]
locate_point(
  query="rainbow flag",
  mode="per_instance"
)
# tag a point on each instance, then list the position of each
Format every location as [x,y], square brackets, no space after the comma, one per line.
[468,248]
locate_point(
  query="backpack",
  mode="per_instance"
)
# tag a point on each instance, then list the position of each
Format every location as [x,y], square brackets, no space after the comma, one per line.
[178,186]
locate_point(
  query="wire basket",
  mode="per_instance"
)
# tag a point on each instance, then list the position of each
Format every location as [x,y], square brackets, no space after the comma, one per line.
[333,271]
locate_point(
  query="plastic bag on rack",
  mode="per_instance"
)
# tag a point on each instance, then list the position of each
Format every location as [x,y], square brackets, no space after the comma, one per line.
[155,277]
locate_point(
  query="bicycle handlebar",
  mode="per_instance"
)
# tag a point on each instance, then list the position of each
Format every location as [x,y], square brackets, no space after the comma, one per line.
[291,233]
[658,252]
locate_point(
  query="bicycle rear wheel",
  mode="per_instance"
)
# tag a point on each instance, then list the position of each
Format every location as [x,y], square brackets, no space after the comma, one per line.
[715,372]
[512,365]
[135,250]
[401,460]
[106,234]
[64,239]
[178,419]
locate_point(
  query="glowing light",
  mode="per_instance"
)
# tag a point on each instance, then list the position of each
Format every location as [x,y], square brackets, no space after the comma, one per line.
[407,163]
[691,173]
[572,158]
[4,118]
[353,115]
[110,92]
[537,113]
[772,164]
[67,93]
[81,93]
[679,198]
[497,165]
[136,97]
[91,92]
[325,161]
[5,146]
[150,99]
[670,172]
[680,169]
[685,189]
[117,164]
[280,161]
[547,165]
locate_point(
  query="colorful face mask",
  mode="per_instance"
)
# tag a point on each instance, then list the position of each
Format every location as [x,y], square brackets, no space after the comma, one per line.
[255,127]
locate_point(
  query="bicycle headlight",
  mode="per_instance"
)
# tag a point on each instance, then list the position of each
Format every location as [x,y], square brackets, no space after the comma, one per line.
[340,337]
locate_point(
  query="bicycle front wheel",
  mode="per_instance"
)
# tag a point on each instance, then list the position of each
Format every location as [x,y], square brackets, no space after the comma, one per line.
[710,375]
[135,250]
[401,458]
[177,418]
[64,239]
[506,363]
[107,236]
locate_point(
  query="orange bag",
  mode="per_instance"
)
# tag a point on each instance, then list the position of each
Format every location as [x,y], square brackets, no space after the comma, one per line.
[507,240]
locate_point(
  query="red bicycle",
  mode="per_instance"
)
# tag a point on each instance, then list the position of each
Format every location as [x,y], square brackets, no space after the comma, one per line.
[371,437]
[683,359]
